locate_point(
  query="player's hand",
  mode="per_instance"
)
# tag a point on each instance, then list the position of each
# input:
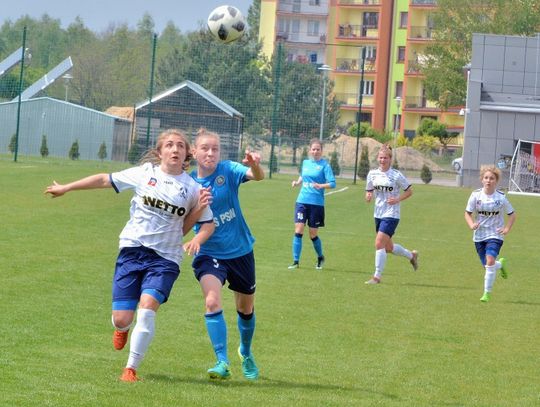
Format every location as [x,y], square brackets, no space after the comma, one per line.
[55,190]
[475,225]
[205,197]
[503,231]
[251,159]
[192,247]
[369,195]
[392,200]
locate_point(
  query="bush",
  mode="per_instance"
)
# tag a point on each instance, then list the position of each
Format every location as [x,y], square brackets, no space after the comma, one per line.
[395,163]
[363,167]
[425,144]
[74,150]
[334,163]
[44,150]
[102,153]
[273,163]
[303,157]
[133,153]
[12,143]
[425,174]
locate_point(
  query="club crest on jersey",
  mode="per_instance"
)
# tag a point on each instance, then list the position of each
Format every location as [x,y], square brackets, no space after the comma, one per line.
[220,180]
[182,191]
[152,182]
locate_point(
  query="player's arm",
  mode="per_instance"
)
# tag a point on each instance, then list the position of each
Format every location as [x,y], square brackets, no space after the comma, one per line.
[470,221]
[91,182]
[204,233]
[205,199]
[509,223]
[297,182]
[253,161]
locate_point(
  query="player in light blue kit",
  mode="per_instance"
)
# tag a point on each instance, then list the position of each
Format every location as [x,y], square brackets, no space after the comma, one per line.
[228,254]
[315,177]
[488,206]
[386,183]
[150,244]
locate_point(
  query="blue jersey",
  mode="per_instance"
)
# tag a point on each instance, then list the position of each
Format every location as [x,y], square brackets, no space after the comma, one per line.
[231,237]
[318,172]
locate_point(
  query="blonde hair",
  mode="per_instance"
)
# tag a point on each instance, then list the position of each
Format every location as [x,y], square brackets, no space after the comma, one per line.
[152,155]
[203,132]
[490,168]
[385,148]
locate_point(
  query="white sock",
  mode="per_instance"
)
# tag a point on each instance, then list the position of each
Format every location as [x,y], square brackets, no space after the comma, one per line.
[380,261]
[141,336]
[401,251]
[489,278]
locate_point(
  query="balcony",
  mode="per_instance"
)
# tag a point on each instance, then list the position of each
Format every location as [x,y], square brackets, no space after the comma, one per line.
[414,67]
[423,2]
[358,31]
[359,2]
[350,99]
[421,33]
[354,65]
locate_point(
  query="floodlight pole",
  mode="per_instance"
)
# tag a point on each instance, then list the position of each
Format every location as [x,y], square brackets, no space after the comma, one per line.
[275,109]
[21,75]
[359,113]
[325,68]
[151,90]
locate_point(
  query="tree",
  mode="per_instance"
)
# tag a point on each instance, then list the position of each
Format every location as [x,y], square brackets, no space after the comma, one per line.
[74,151]
[133,153]
[44,150]
[303,157]
[363,167]
[102,153]
[334,163]
[12,143]
[425,174]
[455,21]
[434,128]
[395,163]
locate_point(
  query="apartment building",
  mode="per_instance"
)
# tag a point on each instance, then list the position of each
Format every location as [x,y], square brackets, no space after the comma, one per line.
[392,33]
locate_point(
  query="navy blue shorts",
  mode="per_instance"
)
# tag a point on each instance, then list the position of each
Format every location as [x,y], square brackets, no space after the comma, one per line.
[490,247]
[312,214]
[239,272]
[141,269]
[387,226]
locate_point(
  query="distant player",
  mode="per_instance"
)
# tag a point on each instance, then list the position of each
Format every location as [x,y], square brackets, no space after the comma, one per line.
[485,215]
[228,254]
[315,177]
[386,184]
[150,244]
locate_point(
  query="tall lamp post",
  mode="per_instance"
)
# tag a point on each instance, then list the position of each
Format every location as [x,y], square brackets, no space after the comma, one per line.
[67,79]
[397,120]
[325,69]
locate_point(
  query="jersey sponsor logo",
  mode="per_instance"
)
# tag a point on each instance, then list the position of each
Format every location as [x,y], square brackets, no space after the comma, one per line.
[488,213]
[225,217]
[167,207]
[384,188]
[220,180]
[152,182]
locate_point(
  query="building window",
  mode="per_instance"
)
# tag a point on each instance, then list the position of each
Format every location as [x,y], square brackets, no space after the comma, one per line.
[369,86]
[314,2]
[371,19]
[371,53]
[313,28]
[399,89]
[401,54]
[403,18]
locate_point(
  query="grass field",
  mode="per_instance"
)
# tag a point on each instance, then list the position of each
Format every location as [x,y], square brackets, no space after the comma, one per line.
[323,338]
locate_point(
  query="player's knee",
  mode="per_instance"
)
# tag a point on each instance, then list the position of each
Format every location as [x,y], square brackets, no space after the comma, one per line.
[212,304]
[122,321]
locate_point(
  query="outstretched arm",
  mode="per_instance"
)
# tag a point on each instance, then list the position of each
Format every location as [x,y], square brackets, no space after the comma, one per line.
[253,161]
[91,182]
[194,245]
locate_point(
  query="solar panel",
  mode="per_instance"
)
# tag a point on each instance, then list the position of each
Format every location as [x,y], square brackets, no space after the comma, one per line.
[10,61]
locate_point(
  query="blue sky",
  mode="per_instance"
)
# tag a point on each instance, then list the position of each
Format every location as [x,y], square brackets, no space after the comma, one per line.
[99,14]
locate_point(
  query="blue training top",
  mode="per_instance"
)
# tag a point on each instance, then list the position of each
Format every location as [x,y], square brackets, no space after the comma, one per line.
[232,237]
[318,172]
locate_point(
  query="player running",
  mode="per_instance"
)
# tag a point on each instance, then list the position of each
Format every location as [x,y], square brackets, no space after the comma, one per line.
[488,206]
[228,254]
[150,244]
[315,177]
[386,183]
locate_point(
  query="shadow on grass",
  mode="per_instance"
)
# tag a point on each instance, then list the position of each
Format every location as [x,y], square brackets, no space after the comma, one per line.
[265,382]
[525,303]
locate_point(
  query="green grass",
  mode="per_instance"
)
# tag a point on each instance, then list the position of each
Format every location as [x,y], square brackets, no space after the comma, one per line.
[323,338]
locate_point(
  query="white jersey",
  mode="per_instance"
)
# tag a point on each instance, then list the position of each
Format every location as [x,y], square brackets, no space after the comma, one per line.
[489,211]
[385,185]
[158,208]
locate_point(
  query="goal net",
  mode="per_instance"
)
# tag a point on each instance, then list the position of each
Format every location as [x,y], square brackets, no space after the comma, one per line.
[525,169]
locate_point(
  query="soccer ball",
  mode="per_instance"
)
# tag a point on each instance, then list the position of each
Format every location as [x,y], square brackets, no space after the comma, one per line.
[226,23]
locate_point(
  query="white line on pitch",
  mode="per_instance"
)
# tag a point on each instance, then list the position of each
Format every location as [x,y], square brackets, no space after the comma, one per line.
[335,192]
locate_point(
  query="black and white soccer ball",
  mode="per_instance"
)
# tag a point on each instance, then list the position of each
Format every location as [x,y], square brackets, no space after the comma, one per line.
[226,23]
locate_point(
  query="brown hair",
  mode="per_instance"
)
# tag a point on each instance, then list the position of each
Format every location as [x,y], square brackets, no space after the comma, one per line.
[490,168]
[315,141]
[152,155]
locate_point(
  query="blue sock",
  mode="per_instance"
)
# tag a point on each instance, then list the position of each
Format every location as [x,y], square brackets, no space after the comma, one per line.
[246,327]
[317,245]
[297,246]
[217,331]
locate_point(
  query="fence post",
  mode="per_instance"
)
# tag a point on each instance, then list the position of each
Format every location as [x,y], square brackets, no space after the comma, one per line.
[20,94]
